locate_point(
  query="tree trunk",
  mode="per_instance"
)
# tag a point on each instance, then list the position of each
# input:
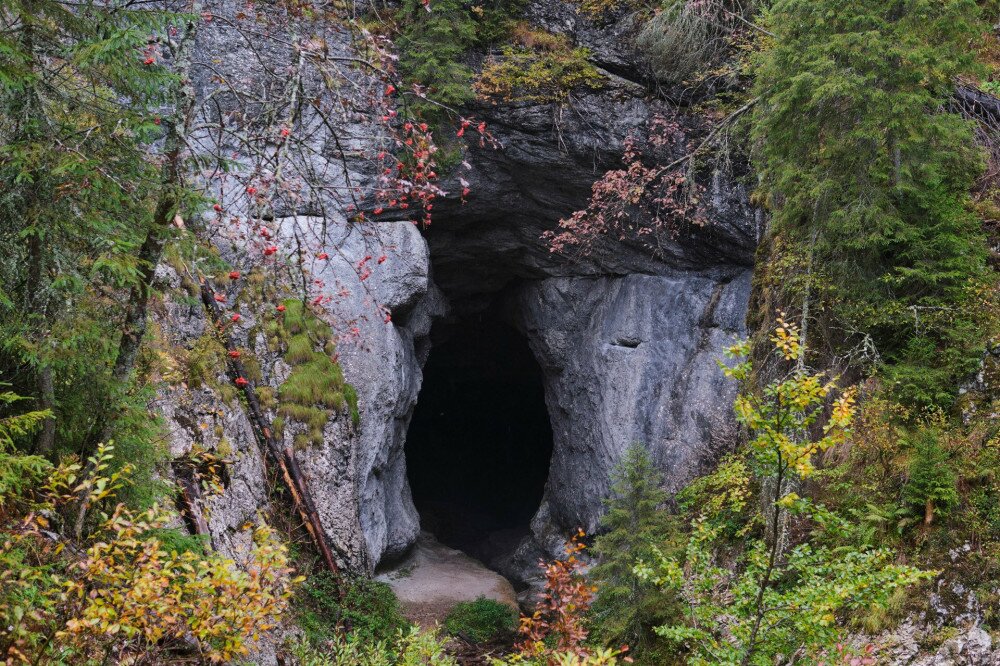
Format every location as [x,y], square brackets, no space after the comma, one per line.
[134,327]
[929,512]
[152,248]
[46,441]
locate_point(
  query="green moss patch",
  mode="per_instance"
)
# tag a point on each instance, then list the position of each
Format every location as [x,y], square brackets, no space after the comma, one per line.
[481,620]
[539,67]
[315,389]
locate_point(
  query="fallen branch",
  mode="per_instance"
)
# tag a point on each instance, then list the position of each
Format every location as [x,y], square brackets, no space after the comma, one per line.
[281,456]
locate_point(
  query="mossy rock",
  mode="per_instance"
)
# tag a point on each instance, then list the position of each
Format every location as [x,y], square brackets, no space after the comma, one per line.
[315,388]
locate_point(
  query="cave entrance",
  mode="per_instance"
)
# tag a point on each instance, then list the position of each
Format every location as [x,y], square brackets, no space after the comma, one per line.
[479,443]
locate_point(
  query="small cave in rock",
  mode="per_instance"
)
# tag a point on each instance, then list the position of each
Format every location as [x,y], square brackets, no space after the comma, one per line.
[479,443]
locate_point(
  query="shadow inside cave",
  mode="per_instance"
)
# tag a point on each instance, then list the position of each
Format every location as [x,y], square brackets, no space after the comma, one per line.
[480,441]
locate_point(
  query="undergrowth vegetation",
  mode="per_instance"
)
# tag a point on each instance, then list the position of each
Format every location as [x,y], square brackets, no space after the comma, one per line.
[315,388]
[367,609]
[134,589]
[537,67]
[481,620]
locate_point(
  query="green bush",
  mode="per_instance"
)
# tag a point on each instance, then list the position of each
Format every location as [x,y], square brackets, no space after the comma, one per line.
[414,647]
[931,487]
[369,609]
[481,620]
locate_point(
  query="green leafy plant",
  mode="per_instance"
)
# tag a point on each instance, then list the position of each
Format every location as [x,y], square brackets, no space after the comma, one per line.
[123,590]
[481,620]
[368,609]
[412,647]
[778,601]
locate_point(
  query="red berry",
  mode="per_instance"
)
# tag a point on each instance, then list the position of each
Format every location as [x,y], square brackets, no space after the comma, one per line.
[149,61]
[268,251]
[156,120]
[234,353]
[281,308]
[234,275]
[235,318]
[251,190]
[241,382]
[322,255]
[220,298]
[217,208]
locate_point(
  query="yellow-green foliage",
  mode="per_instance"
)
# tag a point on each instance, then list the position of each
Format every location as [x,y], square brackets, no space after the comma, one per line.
[132,586]
[538,67]
[206,362]
[315,388]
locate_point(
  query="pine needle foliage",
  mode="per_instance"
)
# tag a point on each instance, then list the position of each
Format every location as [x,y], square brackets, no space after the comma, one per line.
[867,176]
[931,486]
[18,472]
[626,607]
[78,85]
[433,40]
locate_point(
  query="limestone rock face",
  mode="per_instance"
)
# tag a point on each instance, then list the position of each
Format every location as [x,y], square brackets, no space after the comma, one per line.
[631,359]
[627,338]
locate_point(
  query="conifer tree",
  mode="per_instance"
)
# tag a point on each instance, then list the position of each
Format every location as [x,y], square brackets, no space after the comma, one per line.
[868,175]
[431,46]
[77,85]
[627,607]
[931,486]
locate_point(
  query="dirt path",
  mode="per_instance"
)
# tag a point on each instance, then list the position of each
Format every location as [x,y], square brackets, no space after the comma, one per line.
[433,578]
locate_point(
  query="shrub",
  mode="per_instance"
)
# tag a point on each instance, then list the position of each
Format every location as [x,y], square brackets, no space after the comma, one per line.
[779,599]
[368,609]
[481,620]
[413,647]
[558,623]
[124,592]
[678,42]
[540,68]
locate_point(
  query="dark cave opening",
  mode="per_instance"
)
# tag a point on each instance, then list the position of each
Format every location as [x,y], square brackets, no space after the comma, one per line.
[479,443]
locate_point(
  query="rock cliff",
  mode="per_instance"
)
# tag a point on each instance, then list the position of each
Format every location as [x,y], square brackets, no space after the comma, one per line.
[627,339]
